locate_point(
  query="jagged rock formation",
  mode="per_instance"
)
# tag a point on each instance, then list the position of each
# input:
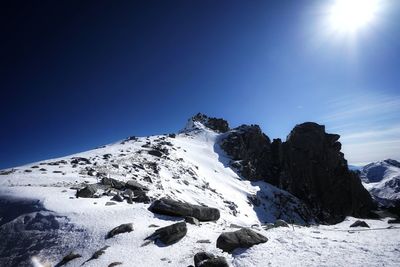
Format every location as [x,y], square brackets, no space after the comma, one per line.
[250,148]
[309,165]
[216,124]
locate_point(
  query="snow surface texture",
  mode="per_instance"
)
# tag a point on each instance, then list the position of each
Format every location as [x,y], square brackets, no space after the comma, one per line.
[195,170]
[382,179]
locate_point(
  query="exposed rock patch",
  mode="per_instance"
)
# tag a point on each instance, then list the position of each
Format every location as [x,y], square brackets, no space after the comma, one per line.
[204,259]
[171,207]
[170,234]
[243,238]
[123,228]
[309,165]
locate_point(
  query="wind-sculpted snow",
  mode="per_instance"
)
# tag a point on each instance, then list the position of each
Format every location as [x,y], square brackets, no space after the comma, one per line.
[188,167]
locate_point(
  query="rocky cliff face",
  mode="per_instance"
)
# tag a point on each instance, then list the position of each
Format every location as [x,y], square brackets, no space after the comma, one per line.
[308,164]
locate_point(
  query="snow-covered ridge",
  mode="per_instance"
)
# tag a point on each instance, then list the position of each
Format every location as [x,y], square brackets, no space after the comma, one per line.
[189,167]
[382,179]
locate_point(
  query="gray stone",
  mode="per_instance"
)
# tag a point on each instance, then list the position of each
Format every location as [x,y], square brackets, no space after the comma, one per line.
[243,238]
[204,259]
[88,191]
[123,228]
[170,234]
[171,207]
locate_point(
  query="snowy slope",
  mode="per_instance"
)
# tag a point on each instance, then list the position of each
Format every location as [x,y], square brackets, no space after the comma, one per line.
[382,179]
[195,170]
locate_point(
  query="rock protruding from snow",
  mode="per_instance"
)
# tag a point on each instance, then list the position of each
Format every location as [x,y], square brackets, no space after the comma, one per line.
[243,238]
[170,234]
[200,120]
[250,148]
[71,256]
[309,165]
[171,207]
[205,259]
[123,228]
[359,224]
[88,191]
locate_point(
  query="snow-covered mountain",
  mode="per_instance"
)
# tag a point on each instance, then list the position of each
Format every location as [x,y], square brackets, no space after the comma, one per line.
[382,179]
[67,207]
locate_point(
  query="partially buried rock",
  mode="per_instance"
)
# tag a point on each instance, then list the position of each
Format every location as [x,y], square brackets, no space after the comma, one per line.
[113,183]
[204,259]
[123,228]
[170,234]
[98,253]
[171,207]
[88,191]
[117,198]
[133,185]
[71,256]
[114,264]
[394,221]
[359,224]
[243,238]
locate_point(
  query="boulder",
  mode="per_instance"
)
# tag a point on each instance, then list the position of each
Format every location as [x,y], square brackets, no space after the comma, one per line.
[171,207]
[71,256]
[204,259]
[359,224]
[133,185]
[88,191]
[170,234]
[123,228]
[243,238]
[113,183]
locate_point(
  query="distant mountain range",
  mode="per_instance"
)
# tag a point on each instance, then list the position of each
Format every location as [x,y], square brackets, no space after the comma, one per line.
[382,180]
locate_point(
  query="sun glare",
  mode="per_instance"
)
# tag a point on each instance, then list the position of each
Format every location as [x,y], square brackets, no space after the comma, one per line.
[349,16]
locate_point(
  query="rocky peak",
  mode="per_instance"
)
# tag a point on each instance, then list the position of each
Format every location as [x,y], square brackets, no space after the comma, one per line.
[308,164]
[199,120]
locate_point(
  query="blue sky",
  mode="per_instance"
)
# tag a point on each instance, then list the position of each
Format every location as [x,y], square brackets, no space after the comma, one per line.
[78,75]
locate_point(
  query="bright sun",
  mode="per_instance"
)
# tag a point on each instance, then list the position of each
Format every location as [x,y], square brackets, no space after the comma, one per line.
[349,16]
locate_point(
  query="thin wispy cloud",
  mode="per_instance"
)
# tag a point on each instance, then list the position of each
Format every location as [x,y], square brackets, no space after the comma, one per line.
[369,126]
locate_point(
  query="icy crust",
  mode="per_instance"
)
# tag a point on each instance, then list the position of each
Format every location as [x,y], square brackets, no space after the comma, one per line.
[190,167]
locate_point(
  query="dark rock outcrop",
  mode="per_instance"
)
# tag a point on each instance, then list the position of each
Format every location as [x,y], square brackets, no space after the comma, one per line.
[170,234]
[171,207]
[204,259]
[215,124]
[88,191]
[123,228]
[392,221]
[251,149]
[359,224]
[243,238]
[309,165]
[113,183]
